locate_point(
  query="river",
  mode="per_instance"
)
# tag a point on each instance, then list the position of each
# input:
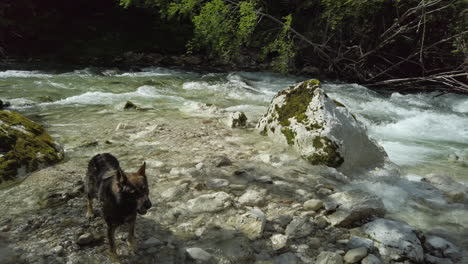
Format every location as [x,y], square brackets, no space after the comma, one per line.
[423,133]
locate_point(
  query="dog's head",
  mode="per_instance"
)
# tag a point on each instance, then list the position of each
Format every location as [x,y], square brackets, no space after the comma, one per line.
[135,185]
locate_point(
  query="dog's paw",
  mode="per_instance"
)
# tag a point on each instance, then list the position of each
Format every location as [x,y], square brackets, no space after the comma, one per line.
[132,247]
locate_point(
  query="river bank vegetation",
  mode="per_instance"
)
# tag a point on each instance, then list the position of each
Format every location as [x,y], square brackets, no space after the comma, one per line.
[397,44]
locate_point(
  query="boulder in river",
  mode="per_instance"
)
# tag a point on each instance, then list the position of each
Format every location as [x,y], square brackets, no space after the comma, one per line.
[321,129]
[25,146]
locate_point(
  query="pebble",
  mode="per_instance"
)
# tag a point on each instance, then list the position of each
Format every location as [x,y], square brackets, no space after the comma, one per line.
[313,204]
[85,239]
[355,255]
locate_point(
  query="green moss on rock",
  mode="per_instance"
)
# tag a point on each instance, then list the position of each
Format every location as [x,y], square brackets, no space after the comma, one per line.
[289,135]
[327,153]
[296,102]
[23,144]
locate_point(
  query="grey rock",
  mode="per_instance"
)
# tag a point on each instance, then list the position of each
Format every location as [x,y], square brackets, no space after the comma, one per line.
[313,204]
[217,183]
[198,254]
[85,239]
[252,223]
[322,130]
[314,242]
[299,227]
[356,242]
[440,247]
[429,259]
[218,161]
[327,257]
[209,203]
[395,240]
[278,241]
[371,259]
[252,198]
[355,255]
[354,206]
[454,191]
[237,119]
[174,193]
[151,242]
[286,258]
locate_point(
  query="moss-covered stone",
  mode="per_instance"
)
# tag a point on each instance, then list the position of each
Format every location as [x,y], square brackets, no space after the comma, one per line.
[289,135]
[24,144]
[296,102]
[327,153]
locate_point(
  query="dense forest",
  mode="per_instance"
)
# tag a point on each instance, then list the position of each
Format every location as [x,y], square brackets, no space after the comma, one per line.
[400,44]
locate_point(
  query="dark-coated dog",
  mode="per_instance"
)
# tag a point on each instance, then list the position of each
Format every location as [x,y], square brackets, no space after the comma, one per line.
[122,195]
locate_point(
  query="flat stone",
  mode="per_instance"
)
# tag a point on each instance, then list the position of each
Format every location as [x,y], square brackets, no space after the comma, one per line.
[198,254]
[442,248]
[356,242]
[286,258]
[355,255]
[355,206]
[395,240]
[151,242]
[209,203]
[174,193]
[252,198]
[327,257]
[313,204]
[429,259]
[299,227]
[217,183]
[371,259]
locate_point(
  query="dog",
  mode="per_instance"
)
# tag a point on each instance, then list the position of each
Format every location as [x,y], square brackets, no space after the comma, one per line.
[122,195]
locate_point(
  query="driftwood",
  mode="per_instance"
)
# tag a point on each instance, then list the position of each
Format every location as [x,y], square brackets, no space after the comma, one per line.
[455,81]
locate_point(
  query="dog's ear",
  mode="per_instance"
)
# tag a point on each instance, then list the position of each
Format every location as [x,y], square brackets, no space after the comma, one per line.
[142,169]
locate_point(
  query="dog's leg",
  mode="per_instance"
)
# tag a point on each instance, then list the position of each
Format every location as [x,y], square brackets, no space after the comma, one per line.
[111,237]
[131,234]
[90,210]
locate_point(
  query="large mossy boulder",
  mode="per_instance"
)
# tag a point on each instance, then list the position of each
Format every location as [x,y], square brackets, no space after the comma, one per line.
[322,130]
[24,146]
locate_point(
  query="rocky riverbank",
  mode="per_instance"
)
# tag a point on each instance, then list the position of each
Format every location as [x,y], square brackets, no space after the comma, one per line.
[219,197]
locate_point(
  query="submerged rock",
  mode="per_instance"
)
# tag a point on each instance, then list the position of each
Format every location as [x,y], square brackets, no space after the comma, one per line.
[354,206]
[454,191]
[327,257]
[129,105]
[322,130]
[396,241]
[237,119]
[4,104]
[25,146]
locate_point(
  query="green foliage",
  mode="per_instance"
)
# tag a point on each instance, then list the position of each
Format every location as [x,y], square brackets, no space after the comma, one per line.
[338,11]
[283,45]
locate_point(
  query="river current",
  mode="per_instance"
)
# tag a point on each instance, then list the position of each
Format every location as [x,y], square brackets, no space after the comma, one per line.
[423,134]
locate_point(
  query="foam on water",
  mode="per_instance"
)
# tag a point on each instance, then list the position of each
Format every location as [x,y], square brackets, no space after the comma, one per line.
[23,74]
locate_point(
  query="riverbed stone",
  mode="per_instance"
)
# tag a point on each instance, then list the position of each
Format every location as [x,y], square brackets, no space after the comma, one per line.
[252,197]
[209,203]
[237,120]
[328,257]
[354,206]
[371,259]
[441,248]
[199,254]
[321,129]
[355,255]
[313,204]
[252,224]
[454,191]
[25,146]
[299,227]
[278,241]
[286,258]
[396,241]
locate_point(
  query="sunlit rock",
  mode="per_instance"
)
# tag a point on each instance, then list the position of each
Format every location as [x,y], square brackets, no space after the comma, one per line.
[322,130]
[25,146]
[354,206]
[237,120]
[396,241]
